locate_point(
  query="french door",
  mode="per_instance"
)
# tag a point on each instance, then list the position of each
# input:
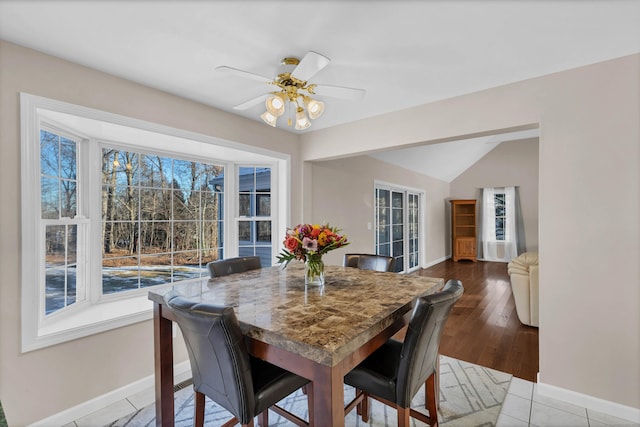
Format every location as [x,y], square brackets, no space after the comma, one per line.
[397,218]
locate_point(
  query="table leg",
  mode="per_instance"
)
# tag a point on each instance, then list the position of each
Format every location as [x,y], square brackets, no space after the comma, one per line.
[328,397]
[163,361]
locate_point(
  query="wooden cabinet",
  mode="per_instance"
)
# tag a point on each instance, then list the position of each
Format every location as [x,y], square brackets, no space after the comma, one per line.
[464,230]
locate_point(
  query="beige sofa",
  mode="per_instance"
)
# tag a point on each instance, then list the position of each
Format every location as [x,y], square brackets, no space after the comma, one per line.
[523,271]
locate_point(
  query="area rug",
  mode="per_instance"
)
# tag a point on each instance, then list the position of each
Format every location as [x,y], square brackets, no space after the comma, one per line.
[470,395]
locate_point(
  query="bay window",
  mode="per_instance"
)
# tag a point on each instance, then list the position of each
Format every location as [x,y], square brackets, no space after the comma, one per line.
[112,206]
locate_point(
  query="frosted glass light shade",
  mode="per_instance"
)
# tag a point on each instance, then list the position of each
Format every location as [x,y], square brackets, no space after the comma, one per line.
[314,108]
[275,104]
[269,118]
[302,122]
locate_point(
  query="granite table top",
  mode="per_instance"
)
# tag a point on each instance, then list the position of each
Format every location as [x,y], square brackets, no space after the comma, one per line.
[324,324]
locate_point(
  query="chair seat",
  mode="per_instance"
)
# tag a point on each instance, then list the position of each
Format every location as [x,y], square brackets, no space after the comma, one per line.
[270,383]
[377,373]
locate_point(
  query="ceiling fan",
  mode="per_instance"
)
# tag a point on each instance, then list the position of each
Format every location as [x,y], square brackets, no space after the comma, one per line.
[293,90]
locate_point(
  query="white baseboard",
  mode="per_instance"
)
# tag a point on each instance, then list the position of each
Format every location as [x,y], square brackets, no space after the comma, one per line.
[181,372]
[589,402]
[437,261]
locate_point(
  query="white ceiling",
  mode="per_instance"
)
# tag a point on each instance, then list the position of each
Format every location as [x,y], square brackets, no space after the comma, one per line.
[403,53]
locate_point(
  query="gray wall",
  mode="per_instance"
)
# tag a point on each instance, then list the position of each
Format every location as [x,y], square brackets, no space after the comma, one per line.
[589,204]
[512,163]
[343,193]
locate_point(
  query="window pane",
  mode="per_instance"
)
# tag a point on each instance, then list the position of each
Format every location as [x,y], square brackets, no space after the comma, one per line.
[384,198]
[185,206]
[186,265]
[264,232]
[384,216]
[244,232]
[398,265]
[155,204]
[211,206]
[155,171]
[397,216]
[49,144]
[263,205]
[247,180]
[154,237]
[49,198]
[397,199]
[384,234]
[54,289]
[398,248]
[155,270]
[244,208]
[120,274]
[67,159]
[398,232]
[56,242]
[186,235]
[68,199]
[212,234]
[263,180]
[384,249]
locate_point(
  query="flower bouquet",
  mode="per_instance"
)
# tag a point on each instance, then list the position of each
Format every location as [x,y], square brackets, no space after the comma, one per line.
[307,242]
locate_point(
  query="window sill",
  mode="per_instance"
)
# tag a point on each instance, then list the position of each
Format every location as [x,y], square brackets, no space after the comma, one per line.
[90,320]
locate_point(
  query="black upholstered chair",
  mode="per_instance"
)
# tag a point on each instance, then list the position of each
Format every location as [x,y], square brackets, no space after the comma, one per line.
[223,369]
[394,373]
[223,267]
[369,262]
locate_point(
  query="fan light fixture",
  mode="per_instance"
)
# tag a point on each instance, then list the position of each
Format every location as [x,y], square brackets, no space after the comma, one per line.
[294,93]
[290,93]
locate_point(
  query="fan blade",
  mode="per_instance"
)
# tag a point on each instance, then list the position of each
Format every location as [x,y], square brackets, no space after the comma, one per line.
[250,103]
[245,74]
[309,66]
[349,93]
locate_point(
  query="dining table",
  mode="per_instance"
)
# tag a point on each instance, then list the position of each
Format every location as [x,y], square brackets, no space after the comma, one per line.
[317,332]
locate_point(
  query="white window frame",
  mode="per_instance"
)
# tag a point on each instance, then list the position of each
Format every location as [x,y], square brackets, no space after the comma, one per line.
[381,185]
[275,237]
[97,312]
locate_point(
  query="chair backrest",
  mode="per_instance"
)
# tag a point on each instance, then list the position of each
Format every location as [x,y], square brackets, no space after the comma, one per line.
[219,358]
[422,340]
[224,267]
[369,262]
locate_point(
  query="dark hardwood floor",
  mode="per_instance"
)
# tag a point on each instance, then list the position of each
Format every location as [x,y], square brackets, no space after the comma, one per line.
[483,327]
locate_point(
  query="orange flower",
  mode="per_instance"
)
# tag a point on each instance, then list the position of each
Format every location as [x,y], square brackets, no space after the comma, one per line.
[291,243]
[315,231]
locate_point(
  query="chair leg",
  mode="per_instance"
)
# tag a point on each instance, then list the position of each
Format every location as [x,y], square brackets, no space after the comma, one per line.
[198,411]
[431,394]
[263,418]
[404,417]
[308,388]
[365,408]
[359,407]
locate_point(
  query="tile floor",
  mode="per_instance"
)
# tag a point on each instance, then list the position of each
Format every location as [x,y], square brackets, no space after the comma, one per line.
[523,407]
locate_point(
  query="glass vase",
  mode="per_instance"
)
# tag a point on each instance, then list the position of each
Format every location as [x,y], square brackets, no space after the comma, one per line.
[314,271]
